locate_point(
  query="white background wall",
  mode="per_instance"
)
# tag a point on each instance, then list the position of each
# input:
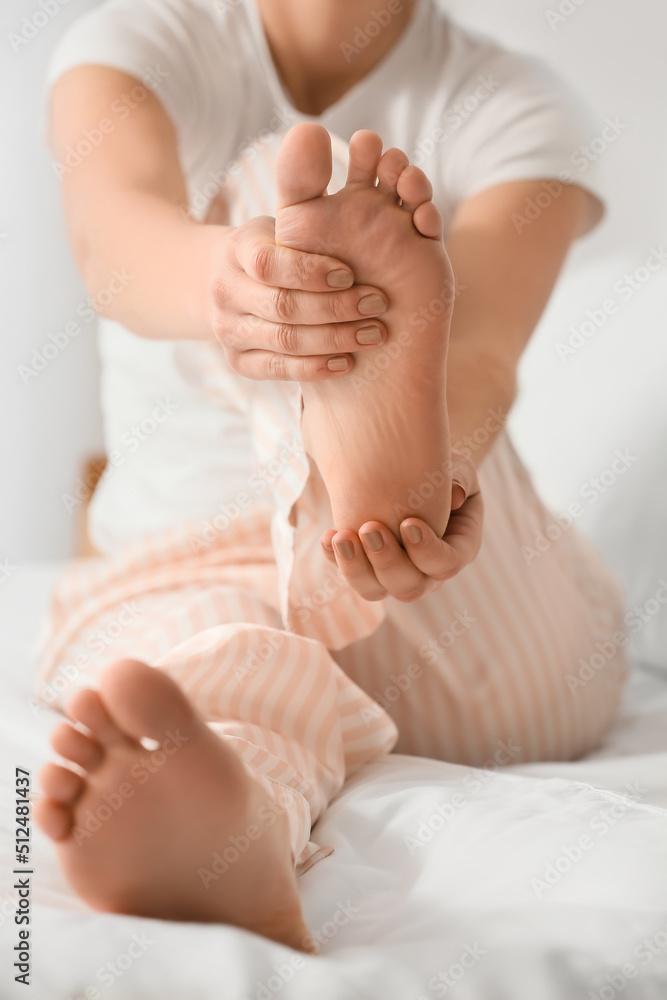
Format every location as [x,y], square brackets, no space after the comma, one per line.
[572,415]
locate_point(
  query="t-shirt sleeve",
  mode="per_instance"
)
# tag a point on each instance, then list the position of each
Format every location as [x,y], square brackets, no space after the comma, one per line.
[169,46]
[523,123]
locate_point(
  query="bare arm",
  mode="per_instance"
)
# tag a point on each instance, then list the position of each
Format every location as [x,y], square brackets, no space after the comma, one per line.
[125,209]
[504,281]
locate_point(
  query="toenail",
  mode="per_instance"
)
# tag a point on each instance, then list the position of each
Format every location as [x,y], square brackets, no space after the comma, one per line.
[344,549]
[371,305]
[369,335]
[338,364]
[412,533]
[340,279]
[373,540]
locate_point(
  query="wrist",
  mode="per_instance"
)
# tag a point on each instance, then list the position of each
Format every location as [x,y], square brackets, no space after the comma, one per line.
[207,251]
[481,393]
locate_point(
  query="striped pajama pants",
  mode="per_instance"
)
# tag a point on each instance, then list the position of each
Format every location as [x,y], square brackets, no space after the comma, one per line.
[307,682]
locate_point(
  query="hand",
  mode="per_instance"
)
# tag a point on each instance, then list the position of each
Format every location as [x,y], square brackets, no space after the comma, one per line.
[424,563]
[282,314]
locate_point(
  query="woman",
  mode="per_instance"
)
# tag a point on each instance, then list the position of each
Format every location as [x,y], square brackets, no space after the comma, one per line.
[327,373]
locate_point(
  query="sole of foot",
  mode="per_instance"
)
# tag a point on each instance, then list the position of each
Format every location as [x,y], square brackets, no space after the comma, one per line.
[380,435]
[135,828]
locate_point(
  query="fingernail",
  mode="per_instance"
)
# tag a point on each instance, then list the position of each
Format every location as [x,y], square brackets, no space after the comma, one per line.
[340,279]
[338,364]
[373,540]
[371,305]
[369,335]
[461,487]
[344,549]
[412,533]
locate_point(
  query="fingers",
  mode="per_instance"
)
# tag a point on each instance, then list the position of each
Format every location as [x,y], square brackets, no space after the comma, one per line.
[255,333]
[464,479]
[282,267]
[392,566]
[260,365]
[442,558]
[354,566]
[292,283]
[374,564]
[285,305]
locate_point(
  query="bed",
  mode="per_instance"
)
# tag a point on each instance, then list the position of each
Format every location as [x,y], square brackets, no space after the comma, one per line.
[542,882]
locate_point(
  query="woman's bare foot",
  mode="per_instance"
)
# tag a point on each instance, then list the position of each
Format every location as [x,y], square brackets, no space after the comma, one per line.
[135,833]
[381,436]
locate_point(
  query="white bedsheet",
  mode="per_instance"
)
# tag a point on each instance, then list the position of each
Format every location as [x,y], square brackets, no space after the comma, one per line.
[544,882]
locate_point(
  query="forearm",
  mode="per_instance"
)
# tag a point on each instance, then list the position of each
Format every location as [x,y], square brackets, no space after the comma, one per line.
[145,262]
[148,267]
[503,281]
[480,394]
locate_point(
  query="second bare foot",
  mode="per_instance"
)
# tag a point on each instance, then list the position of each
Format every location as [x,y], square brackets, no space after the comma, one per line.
[136,830]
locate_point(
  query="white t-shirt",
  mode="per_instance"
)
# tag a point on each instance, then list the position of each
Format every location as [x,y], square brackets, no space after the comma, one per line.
[471,114]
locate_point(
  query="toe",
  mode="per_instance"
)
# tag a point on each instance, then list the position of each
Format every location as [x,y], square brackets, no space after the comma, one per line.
[145,702]
[68,742]
[414,188]
[53,819]
[87,707]
[428,221]
[303,164]
[390,168]
[60,784]
[365,153]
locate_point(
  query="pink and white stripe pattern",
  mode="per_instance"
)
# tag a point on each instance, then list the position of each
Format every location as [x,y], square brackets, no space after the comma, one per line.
[305,679]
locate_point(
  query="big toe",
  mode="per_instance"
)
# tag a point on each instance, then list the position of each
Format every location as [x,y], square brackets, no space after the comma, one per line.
[303,164]
[144,702]
[87,707]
